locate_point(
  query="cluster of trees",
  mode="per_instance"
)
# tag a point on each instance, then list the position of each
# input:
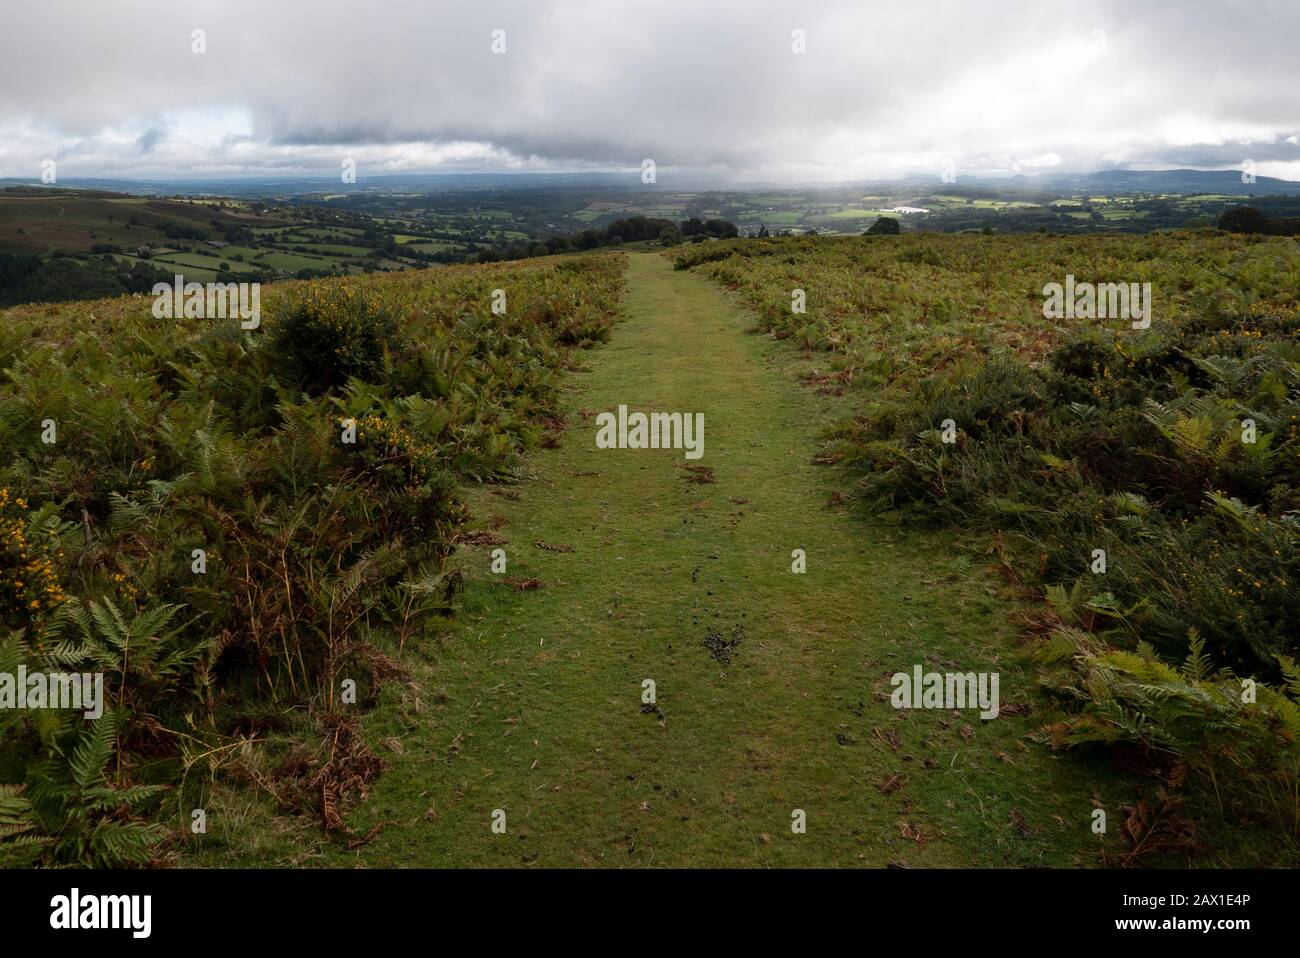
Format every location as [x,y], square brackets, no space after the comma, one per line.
[1247,219]
[451,254]
[639,228]
[1276,215]
[716,228]
[234,233]
[28,278]
[630,230]
[230,232]
[174,230]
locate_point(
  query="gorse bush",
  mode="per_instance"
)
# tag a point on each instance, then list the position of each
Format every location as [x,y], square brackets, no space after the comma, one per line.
[29,583]
[200,534]
[1174,451]
[322,336]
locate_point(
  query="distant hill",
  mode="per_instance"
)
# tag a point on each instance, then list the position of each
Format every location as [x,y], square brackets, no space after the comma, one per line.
[41,220]
[1190,182]
[1187,182]
[249,187]
[1108,182]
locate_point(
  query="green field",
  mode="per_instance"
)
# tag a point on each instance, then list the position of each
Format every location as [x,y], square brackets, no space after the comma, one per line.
[338,249]
[431,246]
[199,261]
[294,261]
[855,214]
[331,232]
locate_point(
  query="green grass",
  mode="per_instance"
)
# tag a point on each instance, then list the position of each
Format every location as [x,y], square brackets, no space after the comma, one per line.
[431,246]
[323,232]
[248,252]
[191,261]
[295,261]
[192,274]
[339,249]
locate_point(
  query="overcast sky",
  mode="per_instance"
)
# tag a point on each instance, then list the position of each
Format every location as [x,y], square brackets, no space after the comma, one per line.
[289,88]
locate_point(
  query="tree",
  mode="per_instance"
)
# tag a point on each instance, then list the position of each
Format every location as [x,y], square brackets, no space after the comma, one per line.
[884,226]
[1243,219]
[720,229]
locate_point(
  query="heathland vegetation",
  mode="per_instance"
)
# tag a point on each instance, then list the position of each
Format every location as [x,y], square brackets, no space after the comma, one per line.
[241,528]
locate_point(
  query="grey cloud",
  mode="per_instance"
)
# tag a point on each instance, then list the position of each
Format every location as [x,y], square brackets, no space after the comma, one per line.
[883,84]
[150,138]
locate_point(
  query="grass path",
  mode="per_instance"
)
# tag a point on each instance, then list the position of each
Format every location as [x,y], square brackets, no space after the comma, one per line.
[534,705]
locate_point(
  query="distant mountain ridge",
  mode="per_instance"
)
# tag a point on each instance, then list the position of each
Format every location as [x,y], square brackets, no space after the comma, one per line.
[1182,181]
[1173,181]
[301,185]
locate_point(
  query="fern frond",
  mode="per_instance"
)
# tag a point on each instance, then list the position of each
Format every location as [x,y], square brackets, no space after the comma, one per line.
[93,751]
[1197,665]
[1291,672]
